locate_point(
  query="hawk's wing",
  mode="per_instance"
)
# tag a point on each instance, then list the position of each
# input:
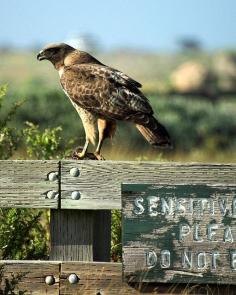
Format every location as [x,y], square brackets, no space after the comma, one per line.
[104,91]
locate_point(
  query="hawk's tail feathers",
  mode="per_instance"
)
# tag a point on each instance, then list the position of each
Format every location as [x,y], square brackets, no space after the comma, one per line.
[155,133]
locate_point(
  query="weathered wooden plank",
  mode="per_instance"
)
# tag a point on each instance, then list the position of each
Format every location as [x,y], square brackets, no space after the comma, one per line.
[71,233]
[28,277]
[179,233]
[106,279]
[98,182]
[94,279]
[26,184]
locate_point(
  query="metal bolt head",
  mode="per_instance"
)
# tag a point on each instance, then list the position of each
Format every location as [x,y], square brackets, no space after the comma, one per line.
[51,194]
[50,280]
[74,172]
[73,278]
[75,195]
[52,176]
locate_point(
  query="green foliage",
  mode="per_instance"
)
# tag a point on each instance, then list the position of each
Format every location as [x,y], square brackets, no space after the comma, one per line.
[195,124]
[42,145]
[8,142]
[22,235]
[9,137]
[116,246]
[49,108]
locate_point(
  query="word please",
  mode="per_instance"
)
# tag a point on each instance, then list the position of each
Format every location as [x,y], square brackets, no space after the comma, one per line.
[188,259]
[211,231]
[154,205]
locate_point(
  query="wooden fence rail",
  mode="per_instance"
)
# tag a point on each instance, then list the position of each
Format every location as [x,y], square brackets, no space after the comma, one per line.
[94,189]
[93,278]
[28,277]
[95,185]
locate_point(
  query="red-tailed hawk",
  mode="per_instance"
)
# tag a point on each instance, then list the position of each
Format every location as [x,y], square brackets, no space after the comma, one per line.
[102,96]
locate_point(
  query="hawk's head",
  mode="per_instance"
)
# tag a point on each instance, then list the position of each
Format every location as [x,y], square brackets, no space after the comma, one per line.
[56,53]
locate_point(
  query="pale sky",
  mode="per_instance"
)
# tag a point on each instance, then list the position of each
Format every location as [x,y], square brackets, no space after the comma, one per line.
[150,24]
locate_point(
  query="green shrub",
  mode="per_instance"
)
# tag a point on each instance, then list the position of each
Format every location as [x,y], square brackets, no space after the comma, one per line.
[42,145]
[116,246]
[22,234]
[193,123]
[9,137]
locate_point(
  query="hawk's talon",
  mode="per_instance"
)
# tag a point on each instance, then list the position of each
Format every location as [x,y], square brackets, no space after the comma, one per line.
[81,155]
[77,155]
[99,156]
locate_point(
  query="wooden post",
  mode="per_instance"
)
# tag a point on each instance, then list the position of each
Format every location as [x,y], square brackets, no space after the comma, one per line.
[71,235]
[80,235]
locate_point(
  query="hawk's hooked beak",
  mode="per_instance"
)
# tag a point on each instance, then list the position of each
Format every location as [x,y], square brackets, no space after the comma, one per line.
[41,55]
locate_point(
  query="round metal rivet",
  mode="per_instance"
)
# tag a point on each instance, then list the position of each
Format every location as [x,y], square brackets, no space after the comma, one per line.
[74,172]
[52,176]
[73,278]
[75,195]
[51,194]
[50,280]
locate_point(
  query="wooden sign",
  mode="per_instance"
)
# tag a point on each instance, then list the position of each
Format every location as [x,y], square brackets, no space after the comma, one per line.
[179,233]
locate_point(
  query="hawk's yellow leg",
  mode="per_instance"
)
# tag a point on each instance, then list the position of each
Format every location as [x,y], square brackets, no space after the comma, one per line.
[98,149]
[84,151]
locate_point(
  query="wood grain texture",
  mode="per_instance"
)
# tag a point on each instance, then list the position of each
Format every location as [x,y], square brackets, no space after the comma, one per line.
[95,279]
[101,278]
[28,277]
[182,226]
[106,279]
[25,184]
[99,182]
[102,236]
[71,233]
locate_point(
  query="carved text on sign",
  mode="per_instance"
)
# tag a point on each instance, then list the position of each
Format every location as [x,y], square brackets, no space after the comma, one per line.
[179,231]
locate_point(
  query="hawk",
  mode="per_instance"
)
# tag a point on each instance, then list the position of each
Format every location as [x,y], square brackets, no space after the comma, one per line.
[103,95]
